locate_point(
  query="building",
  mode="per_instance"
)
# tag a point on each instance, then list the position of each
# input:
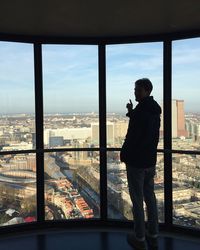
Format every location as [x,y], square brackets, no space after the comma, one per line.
[116,132]
[181,128]
[67,134]
[178,119]
[55,141]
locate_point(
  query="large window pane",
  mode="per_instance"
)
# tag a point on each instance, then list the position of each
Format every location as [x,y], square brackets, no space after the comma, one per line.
[186,89]
[186,190]
[17,115]
[70,96]
[126,64]
[18,189]
[72,185]
[119,202]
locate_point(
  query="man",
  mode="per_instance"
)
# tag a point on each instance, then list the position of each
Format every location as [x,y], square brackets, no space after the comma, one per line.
[139,153]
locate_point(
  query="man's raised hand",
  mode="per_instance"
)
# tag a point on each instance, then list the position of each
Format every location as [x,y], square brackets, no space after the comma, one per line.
[129,105]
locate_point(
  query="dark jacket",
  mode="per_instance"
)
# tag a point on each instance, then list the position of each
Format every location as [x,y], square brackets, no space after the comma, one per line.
[140,145]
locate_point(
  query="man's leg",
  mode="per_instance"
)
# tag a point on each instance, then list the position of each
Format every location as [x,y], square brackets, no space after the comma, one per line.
[150,200]
[135,177]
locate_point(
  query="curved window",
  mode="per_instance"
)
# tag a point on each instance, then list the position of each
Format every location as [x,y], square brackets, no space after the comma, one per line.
[75,158]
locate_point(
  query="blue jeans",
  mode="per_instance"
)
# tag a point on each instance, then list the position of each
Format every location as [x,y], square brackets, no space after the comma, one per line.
[141,187]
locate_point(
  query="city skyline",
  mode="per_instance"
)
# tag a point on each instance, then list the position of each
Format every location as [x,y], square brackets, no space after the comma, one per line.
[84,113]
[72,177]
[70,75]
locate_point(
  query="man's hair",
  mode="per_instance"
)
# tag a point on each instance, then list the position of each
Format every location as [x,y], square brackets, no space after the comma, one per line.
[145,83]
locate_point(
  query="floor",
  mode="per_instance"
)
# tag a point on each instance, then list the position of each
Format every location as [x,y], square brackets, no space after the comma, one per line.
[87,240]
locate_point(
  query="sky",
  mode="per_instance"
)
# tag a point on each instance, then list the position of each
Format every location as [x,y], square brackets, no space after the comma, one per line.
[70,75]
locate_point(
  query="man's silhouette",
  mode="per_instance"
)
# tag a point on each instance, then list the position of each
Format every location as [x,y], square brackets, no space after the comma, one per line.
[139,153]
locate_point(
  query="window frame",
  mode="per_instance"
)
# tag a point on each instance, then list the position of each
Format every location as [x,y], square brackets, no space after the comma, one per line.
[103,149]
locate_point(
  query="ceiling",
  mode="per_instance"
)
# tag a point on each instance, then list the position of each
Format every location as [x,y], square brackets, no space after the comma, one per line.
[92,18]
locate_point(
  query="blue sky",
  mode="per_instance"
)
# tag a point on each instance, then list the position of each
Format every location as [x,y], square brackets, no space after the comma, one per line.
[70,75]
[16,78]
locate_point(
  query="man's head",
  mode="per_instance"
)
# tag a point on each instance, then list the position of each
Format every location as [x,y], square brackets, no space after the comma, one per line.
[143,88]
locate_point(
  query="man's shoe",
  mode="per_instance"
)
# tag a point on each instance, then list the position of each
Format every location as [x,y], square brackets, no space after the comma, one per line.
[135,242]
[152,241]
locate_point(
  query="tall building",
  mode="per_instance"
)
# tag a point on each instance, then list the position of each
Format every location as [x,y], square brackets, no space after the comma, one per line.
[80,155]
[178,119]
[34,140]
[181,129]
[95,133]
[120,130]
[110,133]
[174,119]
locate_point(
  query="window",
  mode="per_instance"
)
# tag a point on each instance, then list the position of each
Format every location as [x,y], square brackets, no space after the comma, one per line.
[17,115]
[185,93]
[186,190]
[185,132]
[17,132]
[119,202]
[72,185]
[126,64]
[71,121]
[18,189]
[71,130]
[70,96]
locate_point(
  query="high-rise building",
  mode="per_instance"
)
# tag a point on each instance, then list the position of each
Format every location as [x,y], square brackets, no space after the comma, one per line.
[110,133]
[178,119]
[34,140]
[120,130]
[109,129]
[181,131]
[174,119]
[95,133]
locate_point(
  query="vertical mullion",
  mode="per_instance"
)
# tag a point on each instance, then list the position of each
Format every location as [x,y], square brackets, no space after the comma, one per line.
[168,133]
[102,131]
[39,131]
